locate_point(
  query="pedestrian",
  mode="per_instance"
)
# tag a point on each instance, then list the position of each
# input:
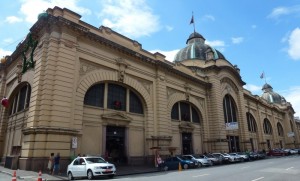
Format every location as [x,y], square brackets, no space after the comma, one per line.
[56,167]
[50,163]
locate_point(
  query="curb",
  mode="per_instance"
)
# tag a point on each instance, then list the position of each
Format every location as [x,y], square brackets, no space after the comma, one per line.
[8,173]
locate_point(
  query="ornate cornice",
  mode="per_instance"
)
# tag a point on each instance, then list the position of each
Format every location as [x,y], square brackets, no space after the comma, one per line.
[49,130]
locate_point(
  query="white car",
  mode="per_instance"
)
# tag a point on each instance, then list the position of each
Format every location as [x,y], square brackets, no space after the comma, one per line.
[90,167]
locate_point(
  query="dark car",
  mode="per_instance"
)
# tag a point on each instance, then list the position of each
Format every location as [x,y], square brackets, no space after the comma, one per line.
[172,163]
[277,152]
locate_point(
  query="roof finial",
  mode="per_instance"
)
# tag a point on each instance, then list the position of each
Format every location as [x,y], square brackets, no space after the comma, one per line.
[192,21]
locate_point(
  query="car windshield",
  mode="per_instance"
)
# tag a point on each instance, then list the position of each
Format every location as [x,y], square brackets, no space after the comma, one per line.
[199,156]
[92,160]
[210,156]
[183,158]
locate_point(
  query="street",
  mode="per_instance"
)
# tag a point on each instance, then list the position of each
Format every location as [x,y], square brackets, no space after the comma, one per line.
[275,169]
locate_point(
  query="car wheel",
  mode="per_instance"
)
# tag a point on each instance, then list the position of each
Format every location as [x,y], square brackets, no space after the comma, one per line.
[90,174]
[166,168]
[185,166]
[70,176]
[199,164]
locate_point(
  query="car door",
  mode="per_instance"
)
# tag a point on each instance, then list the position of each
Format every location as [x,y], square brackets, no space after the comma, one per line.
[82,168]
[74,168]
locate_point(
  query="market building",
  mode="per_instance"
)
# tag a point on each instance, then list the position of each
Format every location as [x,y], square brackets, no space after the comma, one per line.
[74,88]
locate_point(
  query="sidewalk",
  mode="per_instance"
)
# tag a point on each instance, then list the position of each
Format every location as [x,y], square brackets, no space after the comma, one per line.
[33,176]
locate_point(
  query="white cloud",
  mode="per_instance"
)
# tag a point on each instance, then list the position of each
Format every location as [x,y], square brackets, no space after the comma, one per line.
[170,55]
[293,96]
[12,19]
[294,44]
[209,17]
[4,53]
[32,8]
[8,40]
[280,11]
[169,28]
[254,89]
[215,43]
[237,40]
[133,18]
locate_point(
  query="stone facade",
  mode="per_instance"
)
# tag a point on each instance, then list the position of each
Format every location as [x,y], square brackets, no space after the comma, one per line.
[72,56]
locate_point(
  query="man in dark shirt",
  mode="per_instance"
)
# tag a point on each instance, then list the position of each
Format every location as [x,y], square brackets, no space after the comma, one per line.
[56,164]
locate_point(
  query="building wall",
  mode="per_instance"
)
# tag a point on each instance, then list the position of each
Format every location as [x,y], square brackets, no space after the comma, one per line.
[70,58]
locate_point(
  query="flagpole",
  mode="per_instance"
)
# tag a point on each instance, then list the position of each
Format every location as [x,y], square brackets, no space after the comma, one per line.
[265,77]
[193,22]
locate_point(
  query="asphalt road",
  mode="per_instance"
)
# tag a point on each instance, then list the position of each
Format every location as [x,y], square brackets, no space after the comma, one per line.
[275,169]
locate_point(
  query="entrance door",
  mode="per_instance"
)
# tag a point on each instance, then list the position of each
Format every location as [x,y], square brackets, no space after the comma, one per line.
[234,143]
[115,144]
[187,147]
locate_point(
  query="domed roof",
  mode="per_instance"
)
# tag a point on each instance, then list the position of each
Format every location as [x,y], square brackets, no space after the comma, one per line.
[197,49]
[271,96]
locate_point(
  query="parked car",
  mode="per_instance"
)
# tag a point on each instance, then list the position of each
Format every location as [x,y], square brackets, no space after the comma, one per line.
[244,155]
[237,157]
[232,158]
[261,155]
[172,163]
[277,152]
[90,167]
[253,156]
[215,160]
[202,160]
[225,159]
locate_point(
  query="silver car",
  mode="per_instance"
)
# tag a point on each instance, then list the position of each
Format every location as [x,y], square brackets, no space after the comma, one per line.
[201,159]
[90,167]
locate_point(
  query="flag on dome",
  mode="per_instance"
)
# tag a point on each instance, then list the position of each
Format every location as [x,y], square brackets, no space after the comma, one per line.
[192,20]
[262,75]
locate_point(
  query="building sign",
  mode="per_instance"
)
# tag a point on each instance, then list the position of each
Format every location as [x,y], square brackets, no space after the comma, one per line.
[231,126]
[290,134]
[74,142]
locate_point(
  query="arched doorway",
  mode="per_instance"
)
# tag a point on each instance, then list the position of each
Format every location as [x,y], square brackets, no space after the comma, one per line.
[115,144]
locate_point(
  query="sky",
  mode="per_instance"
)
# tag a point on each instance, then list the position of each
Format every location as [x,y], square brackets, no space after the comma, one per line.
[257,36]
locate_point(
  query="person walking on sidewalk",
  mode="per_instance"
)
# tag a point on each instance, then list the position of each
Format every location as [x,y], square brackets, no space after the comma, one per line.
[56,167]
[51,163]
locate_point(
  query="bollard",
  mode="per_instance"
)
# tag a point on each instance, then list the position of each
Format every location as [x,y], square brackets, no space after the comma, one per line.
[14,177]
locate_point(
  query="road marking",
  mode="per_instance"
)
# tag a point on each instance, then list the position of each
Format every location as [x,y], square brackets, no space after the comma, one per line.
[200,175]
[289,168]
[258,179]
[244,167]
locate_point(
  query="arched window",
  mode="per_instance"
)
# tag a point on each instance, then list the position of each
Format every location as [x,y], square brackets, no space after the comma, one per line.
[136,105]
[229,109]
[267,126]
[280,129]
[21,99]
[95,96]
[185,111]
[116,98]
[251,123]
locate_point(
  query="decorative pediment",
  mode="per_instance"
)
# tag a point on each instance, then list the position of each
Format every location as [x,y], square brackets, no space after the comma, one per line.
[186,126]
[116,119]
